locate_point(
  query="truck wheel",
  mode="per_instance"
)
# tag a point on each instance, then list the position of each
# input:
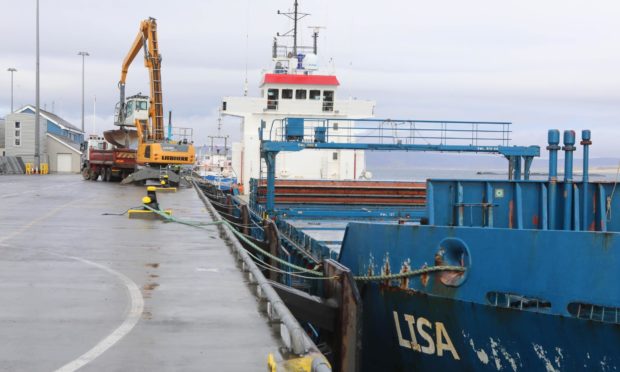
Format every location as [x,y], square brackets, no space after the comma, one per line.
[86,174]
[93,175]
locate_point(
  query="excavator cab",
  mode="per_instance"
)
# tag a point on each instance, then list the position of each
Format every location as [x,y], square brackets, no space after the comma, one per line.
[134,108]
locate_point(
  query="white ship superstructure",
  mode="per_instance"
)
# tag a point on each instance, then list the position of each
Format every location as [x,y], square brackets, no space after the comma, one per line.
[294,87]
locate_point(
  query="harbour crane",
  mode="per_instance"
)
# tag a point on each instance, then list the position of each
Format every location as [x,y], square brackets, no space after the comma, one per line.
[154,152]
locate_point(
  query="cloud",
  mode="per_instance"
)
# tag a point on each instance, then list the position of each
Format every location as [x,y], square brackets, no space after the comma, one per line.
[541,65]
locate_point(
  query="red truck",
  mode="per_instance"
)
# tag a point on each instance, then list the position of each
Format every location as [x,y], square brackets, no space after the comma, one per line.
[101,158]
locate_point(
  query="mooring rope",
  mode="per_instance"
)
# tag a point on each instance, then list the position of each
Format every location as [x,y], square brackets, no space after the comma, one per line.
[319,275]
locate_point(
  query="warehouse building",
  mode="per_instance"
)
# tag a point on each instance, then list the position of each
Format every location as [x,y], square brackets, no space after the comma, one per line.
[59,143]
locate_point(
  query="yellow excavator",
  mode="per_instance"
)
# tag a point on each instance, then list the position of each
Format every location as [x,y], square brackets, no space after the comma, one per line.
[155,154]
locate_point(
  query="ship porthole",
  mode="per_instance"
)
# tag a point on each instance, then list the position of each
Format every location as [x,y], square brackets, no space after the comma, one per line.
[453,252]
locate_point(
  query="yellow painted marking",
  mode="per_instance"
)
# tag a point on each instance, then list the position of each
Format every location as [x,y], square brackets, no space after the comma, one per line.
[37,220]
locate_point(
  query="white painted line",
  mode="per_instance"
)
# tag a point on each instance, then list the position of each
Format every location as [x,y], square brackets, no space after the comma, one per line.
[137,301]
[135,312]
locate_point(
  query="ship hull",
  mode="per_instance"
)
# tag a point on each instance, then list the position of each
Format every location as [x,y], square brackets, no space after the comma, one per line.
[459,335]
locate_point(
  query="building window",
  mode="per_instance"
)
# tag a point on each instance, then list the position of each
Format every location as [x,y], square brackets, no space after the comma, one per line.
[17,125]
[18,142]
[300,94]
[287,94]
[17,133]
[315,94]
[335,156]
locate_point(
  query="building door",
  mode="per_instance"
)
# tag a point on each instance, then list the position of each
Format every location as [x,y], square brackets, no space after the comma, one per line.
[63,163]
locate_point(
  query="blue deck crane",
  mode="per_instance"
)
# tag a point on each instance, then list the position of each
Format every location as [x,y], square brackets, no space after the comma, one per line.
[296,134]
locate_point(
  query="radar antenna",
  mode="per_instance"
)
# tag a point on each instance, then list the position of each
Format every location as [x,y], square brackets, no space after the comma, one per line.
[296,16]
[315,37]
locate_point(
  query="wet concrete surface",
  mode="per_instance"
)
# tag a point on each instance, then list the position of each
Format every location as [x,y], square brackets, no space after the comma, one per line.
[60,297]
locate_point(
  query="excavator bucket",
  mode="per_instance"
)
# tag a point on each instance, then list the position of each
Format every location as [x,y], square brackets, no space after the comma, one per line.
[149,173]
[122,138]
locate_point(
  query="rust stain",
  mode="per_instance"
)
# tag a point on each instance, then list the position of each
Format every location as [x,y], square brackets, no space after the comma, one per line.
[153,265]
[404,282]
[385,270]
[150,286]
[535,220]
[424,277]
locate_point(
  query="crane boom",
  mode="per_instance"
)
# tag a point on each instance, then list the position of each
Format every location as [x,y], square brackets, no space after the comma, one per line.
[154,152]
[147,40]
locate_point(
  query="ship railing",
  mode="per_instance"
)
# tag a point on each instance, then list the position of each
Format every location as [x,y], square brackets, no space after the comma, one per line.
[284,51]
[391,131]
[182,134]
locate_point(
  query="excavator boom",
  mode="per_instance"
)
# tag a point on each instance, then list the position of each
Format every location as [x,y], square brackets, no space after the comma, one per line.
[147,39]
[154,150]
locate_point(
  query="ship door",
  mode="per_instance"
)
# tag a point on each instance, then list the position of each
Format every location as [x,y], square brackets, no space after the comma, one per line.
[147,151]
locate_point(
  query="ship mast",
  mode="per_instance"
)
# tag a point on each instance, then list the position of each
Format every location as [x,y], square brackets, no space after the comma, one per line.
[219,135]
[295,16]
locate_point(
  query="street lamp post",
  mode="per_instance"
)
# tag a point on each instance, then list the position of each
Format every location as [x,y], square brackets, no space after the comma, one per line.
[12,70]
[84,55]
[37,111]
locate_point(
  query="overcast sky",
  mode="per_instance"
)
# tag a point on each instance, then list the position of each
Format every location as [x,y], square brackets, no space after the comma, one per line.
[539,64]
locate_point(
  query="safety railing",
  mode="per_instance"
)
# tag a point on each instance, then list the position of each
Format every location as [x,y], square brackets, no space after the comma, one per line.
[390,131]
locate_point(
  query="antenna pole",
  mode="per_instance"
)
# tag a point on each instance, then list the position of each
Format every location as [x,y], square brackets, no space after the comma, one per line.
[295,31]
[295,16]
[315,36]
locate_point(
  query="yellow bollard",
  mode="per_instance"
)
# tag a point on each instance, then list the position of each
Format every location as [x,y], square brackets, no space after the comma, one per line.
[28,168]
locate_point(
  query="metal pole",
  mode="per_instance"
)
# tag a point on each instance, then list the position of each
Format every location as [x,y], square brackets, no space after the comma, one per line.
[553,138]
[295,31]
[270,159]
[37,112]
[12,70]
[569,142]
[586,142]
[84,55]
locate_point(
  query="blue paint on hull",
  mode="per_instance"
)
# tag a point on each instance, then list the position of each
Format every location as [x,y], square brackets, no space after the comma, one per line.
[556,267]
[486,338]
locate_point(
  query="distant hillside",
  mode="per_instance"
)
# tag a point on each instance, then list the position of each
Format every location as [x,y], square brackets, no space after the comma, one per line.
[404,160]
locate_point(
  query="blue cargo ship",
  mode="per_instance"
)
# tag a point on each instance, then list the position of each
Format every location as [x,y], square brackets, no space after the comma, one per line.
[447,274]
[512,274]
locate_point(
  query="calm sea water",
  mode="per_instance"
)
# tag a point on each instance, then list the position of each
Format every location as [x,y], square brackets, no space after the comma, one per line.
[421,174]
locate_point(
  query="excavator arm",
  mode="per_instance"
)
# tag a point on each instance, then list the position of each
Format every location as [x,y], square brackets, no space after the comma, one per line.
[146,39]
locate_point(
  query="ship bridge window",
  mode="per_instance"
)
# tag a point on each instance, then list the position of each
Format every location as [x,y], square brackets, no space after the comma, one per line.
[517,301]
[272,99]
[300,94]
[599,313]
[328,100]
[315,94]
[287,94]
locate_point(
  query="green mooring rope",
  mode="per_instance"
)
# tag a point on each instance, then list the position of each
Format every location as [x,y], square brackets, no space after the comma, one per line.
[320,275]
